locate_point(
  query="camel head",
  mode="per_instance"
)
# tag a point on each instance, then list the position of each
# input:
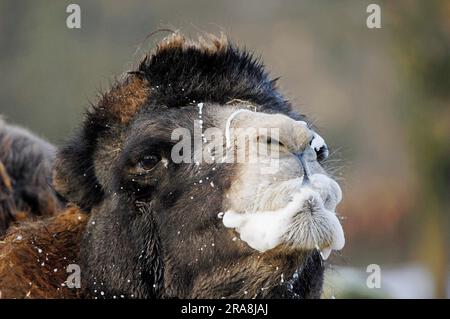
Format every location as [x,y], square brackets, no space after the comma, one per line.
[200,181]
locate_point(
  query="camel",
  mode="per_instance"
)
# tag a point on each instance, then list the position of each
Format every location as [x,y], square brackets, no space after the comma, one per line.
[140,224]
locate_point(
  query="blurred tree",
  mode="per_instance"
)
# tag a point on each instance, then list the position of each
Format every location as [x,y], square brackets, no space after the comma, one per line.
[421,32]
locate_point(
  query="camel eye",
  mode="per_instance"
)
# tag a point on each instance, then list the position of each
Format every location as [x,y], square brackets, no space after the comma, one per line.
[269,141]
[148,162]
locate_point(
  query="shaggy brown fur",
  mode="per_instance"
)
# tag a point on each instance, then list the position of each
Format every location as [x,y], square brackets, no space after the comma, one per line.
[211,44]
[35,255]
[7,206]
[125,100]
[25,169]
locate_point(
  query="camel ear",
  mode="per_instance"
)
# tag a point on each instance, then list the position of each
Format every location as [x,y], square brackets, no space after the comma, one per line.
[74,174]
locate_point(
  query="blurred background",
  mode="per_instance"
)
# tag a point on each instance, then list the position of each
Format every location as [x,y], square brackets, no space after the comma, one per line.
[381,98]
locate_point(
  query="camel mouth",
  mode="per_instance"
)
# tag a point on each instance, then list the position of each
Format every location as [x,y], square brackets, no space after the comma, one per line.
[308,220]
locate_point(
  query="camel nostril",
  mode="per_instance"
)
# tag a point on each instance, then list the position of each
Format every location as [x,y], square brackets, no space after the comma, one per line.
[322,153]
[319,146]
